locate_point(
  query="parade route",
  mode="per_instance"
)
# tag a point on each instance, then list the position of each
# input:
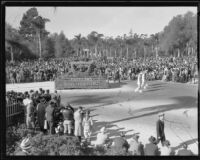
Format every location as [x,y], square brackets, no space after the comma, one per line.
[121,109]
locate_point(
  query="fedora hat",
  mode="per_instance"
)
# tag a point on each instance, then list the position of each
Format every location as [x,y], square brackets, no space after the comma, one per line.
[25,144]
[42,99]
[161,114]
[152,139]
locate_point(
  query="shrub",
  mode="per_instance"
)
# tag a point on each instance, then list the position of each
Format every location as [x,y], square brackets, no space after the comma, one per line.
[55,145]
[13,135]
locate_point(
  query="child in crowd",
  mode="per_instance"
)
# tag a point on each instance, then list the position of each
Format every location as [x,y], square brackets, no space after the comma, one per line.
[87,125]
[60,128]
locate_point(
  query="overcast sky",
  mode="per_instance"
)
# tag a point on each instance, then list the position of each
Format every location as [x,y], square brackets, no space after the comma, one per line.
[110,21]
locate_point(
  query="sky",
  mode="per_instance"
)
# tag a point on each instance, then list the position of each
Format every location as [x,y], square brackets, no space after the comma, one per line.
[110,21]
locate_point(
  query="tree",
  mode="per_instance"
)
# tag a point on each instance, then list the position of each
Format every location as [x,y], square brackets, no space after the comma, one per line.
[78,41]
[180,34]
[94,40]
[32,28]
[49,49]
[39,25]
[16,45]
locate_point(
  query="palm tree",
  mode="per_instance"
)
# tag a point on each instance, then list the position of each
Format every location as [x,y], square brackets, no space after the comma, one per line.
[78,40]
[95,39]
[39,24]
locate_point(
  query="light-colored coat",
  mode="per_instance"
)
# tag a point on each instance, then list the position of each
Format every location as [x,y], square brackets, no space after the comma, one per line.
[78,123]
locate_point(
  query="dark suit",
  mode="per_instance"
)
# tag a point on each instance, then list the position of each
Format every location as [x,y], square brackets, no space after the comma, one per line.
[151,150]
[160,131]
[41,115]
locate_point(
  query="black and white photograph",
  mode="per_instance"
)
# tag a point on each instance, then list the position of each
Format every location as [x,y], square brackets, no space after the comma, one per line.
[101,80]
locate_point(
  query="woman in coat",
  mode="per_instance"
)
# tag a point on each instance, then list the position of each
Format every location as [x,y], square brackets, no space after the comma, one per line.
[41,113]
[78,118]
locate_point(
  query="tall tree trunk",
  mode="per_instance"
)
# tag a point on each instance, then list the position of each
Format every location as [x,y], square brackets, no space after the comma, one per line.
[127,51]
[121,53]
[144,53]
[135,53]
[156,52]
[39,41]
[96,50]
[178,53]
[12,56]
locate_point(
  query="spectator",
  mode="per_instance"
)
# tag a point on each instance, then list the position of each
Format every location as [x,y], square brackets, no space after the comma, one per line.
[27,100]
[50,116]
[166,149]
[47,95]
[41,113]
[60,128]
[184,151]
[120,144]
[30,116]
[78,117]
[25,148]
[160,128]
[102,137]
[68,119]
[151,149]
[87,124]
[136,147]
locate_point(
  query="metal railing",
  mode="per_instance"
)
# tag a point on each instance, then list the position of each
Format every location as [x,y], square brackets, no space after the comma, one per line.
[14,112]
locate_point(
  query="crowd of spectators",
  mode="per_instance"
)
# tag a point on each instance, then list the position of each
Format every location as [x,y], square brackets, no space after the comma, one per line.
[162,68]
[45,112]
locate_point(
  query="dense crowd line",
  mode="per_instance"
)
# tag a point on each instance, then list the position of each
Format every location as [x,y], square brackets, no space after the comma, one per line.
[45,112]
[166,68]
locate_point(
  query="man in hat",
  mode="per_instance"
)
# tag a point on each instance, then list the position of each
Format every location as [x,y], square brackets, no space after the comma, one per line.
[184,151]
[48,95]
[136,147]
[41,113]
[68,119]
[120,144]
[160,128]
[25,148]
[151,149]
[56,97]
[50,116]
[40,91]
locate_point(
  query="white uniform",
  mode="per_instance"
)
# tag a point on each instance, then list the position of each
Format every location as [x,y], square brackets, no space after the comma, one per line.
[144,80]
[139,83]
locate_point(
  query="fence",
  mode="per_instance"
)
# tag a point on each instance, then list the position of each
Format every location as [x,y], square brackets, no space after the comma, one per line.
[14,113]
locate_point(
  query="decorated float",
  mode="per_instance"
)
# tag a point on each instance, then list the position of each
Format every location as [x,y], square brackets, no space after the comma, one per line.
[81,75]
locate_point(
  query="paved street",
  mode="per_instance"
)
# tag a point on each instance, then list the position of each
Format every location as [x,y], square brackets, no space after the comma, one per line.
[121,109]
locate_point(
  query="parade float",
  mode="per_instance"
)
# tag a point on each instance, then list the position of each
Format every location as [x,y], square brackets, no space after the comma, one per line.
[82,75]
